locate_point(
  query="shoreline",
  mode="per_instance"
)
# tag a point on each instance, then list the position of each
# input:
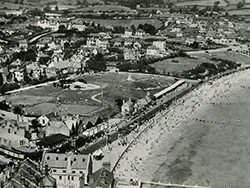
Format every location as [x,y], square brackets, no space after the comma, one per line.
[144,159]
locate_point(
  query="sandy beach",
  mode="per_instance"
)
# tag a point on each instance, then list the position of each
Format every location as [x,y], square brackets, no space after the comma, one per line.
[201,139]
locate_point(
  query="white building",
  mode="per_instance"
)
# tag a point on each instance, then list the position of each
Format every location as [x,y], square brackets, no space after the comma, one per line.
[68,169]
[48,24]
[160,44]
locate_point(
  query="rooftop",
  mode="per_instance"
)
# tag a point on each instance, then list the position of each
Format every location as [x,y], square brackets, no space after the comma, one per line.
[59,160]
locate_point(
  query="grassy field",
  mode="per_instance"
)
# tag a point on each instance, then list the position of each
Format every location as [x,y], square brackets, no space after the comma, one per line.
[45,99]
[236,57]
[183,64]
[239,12]
[125,23]
[107,8]
[207,2]
[200,3]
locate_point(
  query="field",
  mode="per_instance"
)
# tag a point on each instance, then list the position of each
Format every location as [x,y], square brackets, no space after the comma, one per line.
[49,99]
[125,23]
[200,3]
[183,64]
[239,12]
[108,8]
[236,57]
[207,2]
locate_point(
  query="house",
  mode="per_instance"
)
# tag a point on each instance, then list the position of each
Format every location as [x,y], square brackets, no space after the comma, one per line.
[57,127]
[137,45]
[153,51]
[225,41]
[128,33]
[18,76]
[43,120]
[102,44]
[52,141]
[68,169]
[26,174]
[23,44]
[131,54]
[140,33]
[127,108]
[160,44]
[47,181]
[102,178]
[48,24]
[128,42]
[91,41]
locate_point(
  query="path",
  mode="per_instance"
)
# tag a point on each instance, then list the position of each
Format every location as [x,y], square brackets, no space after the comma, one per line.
[39,36]
[172,185]
[95,99]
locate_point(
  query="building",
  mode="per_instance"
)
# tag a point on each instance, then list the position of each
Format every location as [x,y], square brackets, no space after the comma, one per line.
[153,51]
[57,127]
[160,44]
[102,178]
[127,108]
[48,24]
[102,44]
[28,174]
[47,181]
[131,54]
[128,33]
[68,169]
[43,120]
[140,33]
[23,44]
[19,76]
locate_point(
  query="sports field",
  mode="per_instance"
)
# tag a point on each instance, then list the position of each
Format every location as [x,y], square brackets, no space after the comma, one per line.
[179,64]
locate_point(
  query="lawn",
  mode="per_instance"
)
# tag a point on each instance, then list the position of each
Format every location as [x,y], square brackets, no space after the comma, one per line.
[46,108]
[236,57]
[184,63]
[45,99]
[27,100]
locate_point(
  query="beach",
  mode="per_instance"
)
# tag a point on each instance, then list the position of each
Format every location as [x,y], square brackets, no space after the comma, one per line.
[201,139]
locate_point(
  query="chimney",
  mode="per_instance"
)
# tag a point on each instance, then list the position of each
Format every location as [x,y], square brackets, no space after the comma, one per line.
[107,165]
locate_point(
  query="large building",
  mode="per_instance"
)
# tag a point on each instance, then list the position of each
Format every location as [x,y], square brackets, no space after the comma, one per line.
[68,169]
[27,174]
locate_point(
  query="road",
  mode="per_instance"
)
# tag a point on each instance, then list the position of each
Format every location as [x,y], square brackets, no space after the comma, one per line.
[39,36]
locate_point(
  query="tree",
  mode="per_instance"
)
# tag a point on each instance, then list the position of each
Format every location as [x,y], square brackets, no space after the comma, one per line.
[1,79]
[240,4]
[56,8]
[35,124]
[18,110]
[62,28]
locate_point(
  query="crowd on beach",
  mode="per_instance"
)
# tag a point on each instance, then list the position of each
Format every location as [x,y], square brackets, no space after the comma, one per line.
[143,158]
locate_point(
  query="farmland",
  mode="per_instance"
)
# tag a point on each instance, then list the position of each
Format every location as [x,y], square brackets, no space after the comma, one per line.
[125,23]
[49,99]
[107,8]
